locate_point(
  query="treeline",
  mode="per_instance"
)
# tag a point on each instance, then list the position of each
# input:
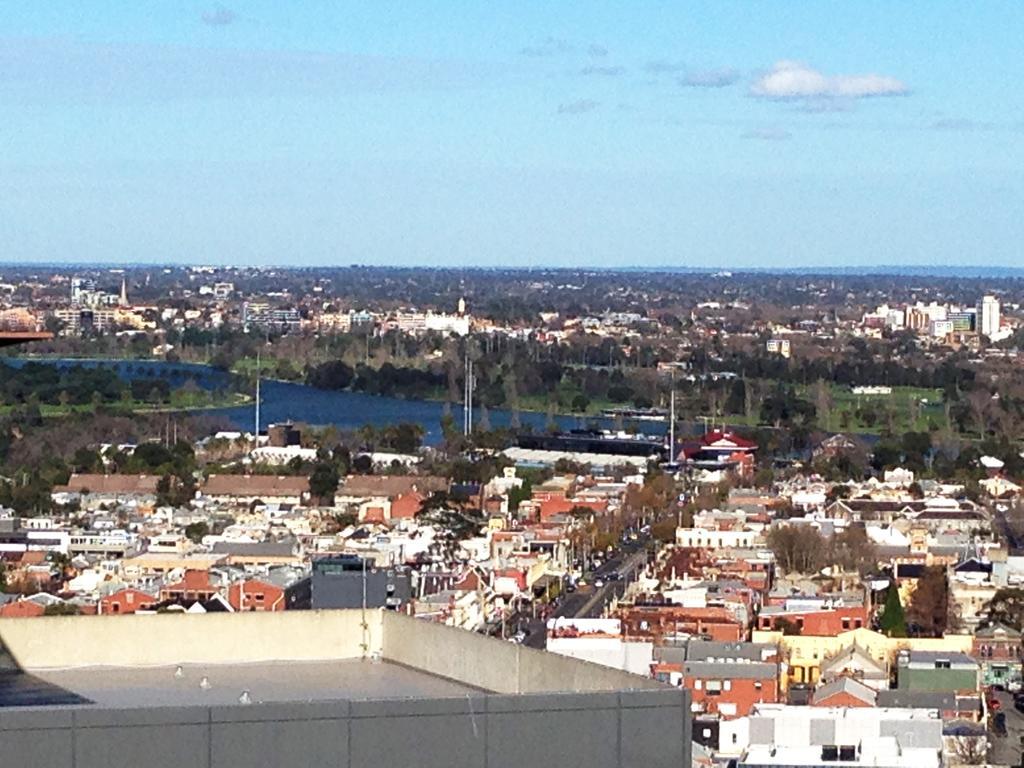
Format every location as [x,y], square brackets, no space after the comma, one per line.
[34,384]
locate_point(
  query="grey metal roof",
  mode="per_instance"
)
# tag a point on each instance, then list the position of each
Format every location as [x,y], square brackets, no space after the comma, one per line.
[702,650]
[916,699]
[930,657]
[259,549]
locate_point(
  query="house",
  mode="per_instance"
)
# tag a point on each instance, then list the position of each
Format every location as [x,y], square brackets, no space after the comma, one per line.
[844,692]
[94,490]
[729,690]
[195,585]
[149,565]
[248,489]
[998,648]
[255,595]
[936,671]
[387,498]
[127,600]
[856,663]
[721,450]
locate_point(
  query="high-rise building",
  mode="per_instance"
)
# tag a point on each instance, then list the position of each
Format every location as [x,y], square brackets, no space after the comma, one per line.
[988,316]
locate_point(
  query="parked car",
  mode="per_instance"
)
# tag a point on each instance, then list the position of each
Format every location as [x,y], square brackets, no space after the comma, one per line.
[999,724]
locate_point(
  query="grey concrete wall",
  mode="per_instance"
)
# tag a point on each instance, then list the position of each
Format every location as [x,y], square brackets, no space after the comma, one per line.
[597,730]
[214,638]
[496,665]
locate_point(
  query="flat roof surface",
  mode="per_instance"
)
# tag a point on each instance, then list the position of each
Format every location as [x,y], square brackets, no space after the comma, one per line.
[124,687]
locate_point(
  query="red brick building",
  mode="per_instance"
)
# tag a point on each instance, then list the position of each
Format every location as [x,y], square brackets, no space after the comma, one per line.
[656,622]
[194,586]
[255,595]
[822,622]
[728,690]
[21,609]
[126,600]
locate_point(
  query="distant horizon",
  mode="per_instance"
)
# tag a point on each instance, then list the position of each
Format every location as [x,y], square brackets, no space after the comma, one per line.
[898,270]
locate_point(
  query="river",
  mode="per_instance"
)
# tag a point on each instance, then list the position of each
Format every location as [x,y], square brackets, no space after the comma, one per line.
[285,401]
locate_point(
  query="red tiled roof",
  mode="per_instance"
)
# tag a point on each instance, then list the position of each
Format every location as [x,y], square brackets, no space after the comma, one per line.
[731,437]
[96,483]
[255,485]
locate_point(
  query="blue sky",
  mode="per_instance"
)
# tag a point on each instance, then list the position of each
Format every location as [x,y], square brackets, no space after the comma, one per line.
[600,134]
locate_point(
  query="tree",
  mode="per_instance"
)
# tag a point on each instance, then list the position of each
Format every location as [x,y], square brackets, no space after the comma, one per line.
[517,496]
[333,374]
[787,627]
[930,608]
[405,437]
[61,609]
[852,550]
[1007,607]
[323,482]
[893,622]
[797,548]
[196,531]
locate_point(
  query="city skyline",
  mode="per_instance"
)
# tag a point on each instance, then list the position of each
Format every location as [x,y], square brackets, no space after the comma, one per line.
[611,136]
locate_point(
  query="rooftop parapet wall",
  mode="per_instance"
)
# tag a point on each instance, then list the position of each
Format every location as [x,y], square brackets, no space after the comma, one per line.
[492,665]
[57,642]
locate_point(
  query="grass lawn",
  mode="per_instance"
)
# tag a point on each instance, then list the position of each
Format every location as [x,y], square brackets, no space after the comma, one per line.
[911,409]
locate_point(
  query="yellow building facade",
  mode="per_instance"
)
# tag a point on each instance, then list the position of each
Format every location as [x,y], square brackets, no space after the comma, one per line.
[804,654]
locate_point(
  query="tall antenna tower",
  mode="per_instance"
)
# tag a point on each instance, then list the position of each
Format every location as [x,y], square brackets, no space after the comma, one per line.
[672,420]
[467,402]
[256,432]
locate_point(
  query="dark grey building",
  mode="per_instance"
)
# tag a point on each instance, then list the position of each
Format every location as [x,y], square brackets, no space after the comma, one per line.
[348,581]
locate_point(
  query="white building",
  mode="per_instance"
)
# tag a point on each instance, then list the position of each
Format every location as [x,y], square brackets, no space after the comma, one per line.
[988,316]
[845,737]
[599,641]
[712,539]
[779,347]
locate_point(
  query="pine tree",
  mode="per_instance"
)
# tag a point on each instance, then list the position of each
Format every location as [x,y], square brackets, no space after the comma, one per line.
[893,622]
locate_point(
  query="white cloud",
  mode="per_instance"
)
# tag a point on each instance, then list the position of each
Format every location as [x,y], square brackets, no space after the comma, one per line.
[793,80]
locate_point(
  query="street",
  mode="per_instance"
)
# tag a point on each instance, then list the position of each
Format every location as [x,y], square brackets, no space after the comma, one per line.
[1006,750]
[587,601]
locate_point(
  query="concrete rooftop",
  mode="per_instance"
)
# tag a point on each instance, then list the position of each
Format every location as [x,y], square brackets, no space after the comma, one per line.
[267,682]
